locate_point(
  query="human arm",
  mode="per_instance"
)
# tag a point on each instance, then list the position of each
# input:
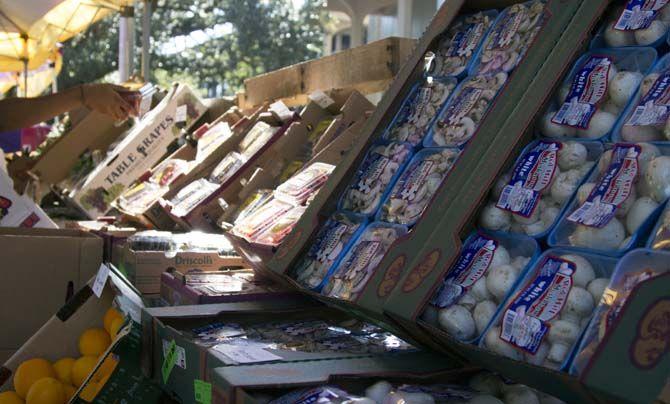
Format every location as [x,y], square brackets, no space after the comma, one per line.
[17,113]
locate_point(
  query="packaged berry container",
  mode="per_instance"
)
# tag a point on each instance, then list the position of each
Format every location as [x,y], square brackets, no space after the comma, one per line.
[617,206]
[481,279]
[228,166]
[280,228]
[331,243]
[297,189]
[260,220]
[530,198]
[542,320]
[593,96]
[417,184]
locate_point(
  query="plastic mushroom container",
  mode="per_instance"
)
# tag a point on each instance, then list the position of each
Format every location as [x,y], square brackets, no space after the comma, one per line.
[457,50]
[659,238]
[375,177]
[460,118]
[362,259]
[417,185]
[530,198]
[331,243]
[510,37]
[419,109]
[635,267]
[634,23]
[481,279]
[595,93]
[543,319]
[618,204]
[648,118]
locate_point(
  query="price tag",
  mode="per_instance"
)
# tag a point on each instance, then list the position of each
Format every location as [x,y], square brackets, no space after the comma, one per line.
[246,353]
[203,391]
[180,115]
[322,99]
[169,361]
[100,280]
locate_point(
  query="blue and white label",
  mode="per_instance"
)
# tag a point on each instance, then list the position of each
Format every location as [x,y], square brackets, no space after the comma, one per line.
[525,322]
[654,107]
[464,42]
[614,187]
[413,180]
[362,256]
[472,264]
[503,33]
[532,174]
[329,243]
[588,89]
[413,111]
[638,14]
[373,167]
[461,105]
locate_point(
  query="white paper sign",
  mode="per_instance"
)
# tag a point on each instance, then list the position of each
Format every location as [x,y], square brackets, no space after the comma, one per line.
[180,114]
[246,353]
[100,280]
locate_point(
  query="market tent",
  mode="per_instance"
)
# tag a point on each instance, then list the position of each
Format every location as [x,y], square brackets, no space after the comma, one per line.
[38,80]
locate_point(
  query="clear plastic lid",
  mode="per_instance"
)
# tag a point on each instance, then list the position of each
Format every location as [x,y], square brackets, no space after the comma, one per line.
[191,196]
[253,203]
[151,240]
[297,189]
[260,220]
[168,171]
[140,197]
[256,138]
[199,241]
[417,184]
[280,228]
[228,166]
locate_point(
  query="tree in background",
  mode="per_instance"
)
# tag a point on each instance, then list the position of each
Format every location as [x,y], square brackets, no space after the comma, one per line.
[236,39]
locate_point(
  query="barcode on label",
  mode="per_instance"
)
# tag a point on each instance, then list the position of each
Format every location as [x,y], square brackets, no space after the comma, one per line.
[560,115]
[504,196]
[638,113]
[508,325]
[624,19]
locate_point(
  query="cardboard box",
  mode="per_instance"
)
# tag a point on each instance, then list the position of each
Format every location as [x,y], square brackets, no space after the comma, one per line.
[140,150]
[144,268]
[66,258]
[238,384]
[18,210]
[241,285]
[162,326]
[113,237]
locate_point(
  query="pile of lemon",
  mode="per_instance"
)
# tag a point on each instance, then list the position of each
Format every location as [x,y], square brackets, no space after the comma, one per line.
[37,381]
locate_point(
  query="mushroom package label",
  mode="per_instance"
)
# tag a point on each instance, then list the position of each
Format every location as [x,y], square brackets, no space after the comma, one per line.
[654,107]
[465,42]
[526,319]
[614,187]
[588,89]
[473,262]
[638,14]
[503,33]
[532,175]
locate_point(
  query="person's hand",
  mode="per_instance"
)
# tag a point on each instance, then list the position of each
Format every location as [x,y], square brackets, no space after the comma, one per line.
[106,99]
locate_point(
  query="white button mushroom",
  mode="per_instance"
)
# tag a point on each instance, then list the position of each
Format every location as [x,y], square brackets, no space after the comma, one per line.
[578,305]
[597,287]
[616,38]
[500,184]
[584,272]
[402,397]
[572,155]
[648,152]
[658,178]
[494,218]
[457,321]
[562,335]
[500,256]
[565,185]
[554,130]
[606,238]
[648,82]
[636,134]
[611,107]
[549,215]
[520,394]
[520,262]
[483,314]
[495,344]
[647,36]
[601,123]
[429,315]
[479,290]
[623,87]
[500,280]
[625,206]
[468,301]
[539,357]
[533,218]
[584,191]
[379,390]
[639,212]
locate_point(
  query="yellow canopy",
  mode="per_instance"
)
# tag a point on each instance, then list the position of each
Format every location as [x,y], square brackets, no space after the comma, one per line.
[38,80]
[30,29]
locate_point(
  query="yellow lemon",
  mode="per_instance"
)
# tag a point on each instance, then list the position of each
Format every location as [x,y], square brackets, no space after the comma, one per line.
[111,315]
[63,369]
[29,372]
[93,342]
[10,397]
[69,391]
[46,391]
[82,368]
[115,327]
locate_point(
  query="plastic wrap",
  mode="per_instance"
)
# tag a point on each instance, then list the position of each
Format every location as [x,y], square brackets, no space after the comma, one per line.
[228,166]
[280,228]
[297,189]
[260,220]
[256,138]
[139,198]
[191,196]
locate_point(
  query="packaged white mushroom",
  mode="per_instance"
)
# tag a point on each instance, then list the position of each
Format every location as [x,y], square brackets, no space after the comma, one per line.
[648,119]
[362,259]
[330,244]
[510,37]
[417,184]
[375,175]
[460,118]
[460,42]
[418,111]
[595,93]
[618,201]
[648,348]
[542,321]
[478,282]
[529,198]
[636,23]
[494,389]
